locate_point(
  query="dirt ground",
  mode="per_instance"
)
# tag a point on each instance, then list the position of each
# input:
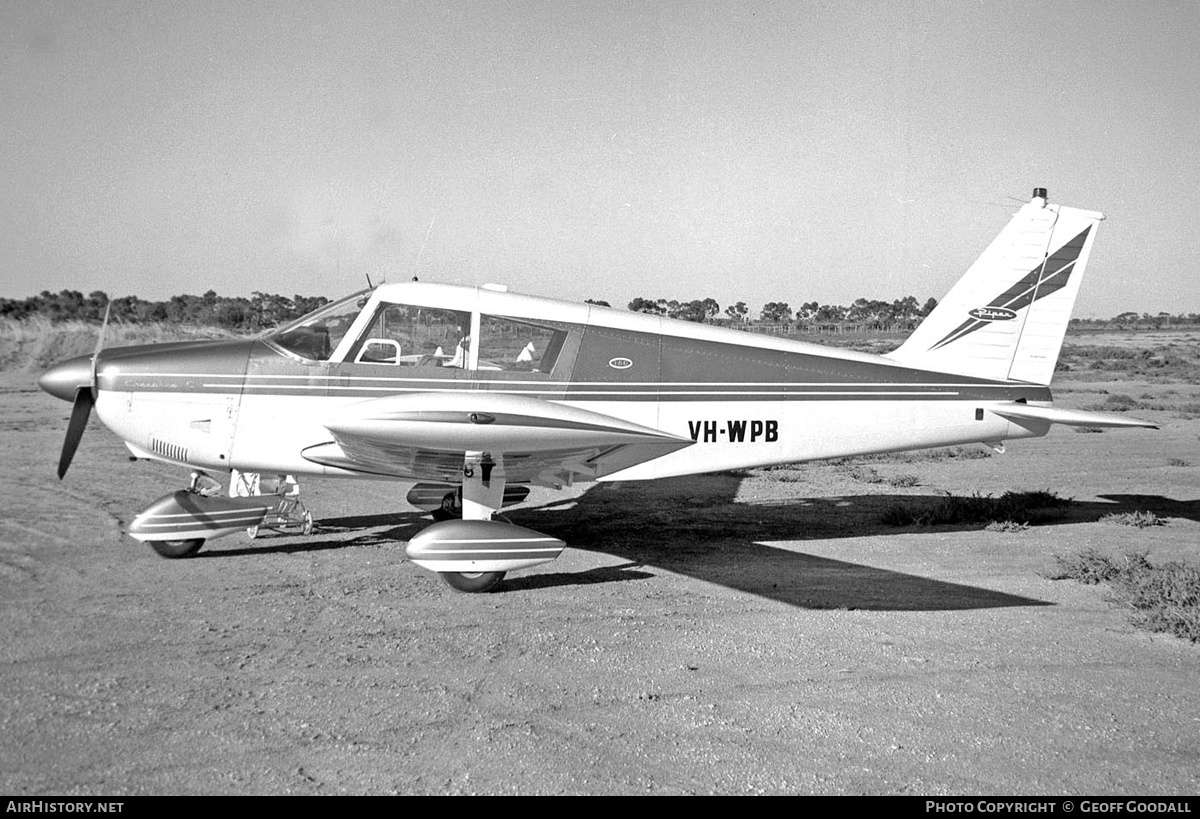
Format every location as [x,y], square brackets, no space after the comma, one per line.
[737,635]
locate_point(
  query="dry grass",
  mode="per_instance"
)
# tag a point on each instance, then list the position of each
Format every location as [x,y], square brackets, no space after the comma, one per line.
[1007,511]
[1006,526]
[1165,598]
[1139,520]
[34,344]
[1161,357]
[963,453]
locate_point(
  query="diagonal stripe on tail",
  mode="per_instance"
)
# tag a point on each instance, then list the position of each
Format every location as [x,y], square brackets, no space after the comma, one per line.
[1045,279]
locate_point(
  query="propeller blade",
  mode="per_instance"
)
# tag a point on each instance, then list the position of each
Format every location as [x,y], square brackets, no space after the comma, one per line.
[80,411]
[100,341]
[103,327]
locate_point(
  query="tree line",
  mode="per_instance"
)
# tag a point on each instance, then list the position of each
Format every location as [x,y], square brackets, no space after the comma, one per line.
[239,314]
[864,314]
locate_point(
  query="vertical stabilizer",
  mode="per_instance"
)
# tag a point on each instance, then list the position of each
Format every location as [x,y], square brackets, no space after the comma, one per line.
[1006,318]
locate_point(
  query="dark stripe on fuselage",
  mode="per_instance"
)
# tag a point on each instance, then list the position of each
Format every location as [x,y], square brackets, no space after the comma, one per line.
[376,388]
[675,370]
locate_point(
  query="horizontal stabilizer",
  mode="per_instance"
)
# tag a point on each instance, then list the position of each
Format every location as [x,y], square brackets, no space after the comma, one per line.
[1071,418]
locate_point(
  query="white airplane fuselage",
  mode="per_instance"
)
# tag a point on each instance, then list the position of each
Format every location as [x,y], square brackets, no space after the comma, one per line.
[742,399]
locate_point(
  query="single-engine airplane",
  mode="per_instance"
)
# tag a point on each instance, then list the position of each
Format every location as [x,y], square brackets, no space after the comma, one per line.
[475,394]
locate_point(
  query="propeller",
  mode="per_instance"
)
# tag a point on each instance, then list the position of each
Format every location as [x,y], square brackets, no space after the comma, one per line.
[81,408]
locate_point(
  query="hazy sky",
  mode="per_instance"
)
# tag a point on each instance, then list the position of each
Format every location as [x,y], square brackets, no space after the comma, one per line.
[771,151]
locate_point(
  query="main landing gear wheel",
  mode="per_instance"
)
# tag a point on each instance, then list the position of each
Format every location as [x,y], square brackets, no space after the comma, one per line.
[472,582]
[175,549]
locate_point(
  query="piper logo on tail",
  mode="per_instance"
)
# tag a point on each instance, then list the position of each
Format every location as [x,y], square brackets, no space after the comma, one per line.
[1040,282]
[992,314]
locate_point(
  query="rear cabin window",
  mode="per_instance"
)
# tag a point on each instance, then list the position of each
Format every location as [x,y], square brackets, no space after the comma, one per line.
[514,345]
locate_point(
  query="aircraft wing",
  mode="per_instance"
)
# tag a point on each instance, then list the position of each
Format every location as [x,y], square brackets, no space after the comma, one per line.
[428,436]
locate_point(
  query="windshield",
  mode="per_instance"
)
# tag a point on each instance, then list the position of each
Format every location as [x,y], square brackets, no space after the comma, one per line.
[316,335]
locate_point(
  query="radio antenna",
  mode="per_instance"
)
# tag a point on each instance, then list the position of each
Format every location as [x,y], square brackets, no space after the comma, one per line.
[421,252]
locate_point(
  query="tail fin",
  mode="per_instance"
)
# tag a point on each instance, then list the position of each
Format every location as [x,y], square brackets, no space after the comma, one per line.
[1006,318]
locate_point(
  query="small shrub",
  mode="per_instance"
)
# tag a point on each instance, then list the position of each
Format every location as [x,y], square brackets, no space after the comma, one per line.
[865,474]
[1118,402]
[1141,520]
[1088,567]
[1014,507]
[1176,462]
[966,453]
[789,477]
[1164,598]
[1006,526]
[904,481]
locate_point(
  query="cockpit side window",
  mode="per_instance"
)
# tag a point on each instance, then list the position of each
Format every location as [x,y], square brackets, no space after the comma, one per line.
[318,334]
[408,335]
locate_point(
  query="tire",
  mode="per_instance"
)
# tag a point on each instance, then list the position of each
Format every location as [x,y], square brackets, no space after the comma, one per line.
[472,582]
[176,549]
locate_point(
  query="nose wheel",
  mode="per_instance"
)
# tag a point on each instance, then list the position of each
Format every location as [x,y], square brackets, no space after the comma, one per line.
[176,549]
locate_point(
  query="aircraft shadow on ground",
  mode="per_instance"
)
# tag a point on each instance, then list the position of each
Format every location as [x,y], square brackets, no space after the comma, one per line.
[692,527]
[695,527]
[1163,507]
